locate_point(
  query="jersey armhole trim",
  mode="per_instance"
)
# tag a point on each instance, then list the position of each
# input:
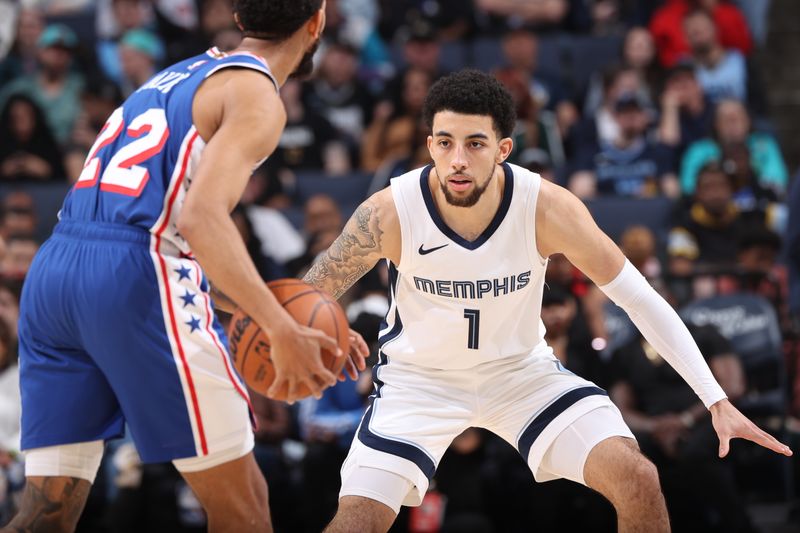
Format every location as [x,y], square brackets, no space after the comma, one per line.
[244,64]
[530,228]
[406,236]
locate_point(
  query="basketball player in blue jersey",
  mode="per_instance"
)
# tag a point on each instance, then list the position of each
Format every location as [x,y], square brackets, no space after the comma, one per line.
[116,320]
[467,241]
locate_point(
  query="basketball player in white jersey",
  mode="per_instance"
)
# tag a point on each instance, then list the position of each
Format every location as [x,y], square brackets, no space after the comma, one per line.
[467,241]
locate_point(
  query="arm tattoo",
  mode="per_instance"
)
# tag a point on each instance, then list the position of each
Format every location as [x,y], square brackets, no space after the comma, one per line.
[51,504]
[351,256]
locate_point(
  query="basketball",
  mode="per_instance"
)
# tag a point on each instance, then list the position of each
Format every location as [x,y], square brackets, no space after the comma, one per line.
[250,346]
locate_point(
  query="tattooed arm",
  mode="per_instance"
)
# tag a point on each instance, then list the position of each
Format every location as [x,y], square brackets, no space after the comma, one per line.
[372,233]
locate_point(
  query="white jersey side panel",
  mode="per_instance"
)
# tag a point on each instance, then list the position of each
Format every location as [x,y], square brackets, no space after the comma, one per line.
[457,303]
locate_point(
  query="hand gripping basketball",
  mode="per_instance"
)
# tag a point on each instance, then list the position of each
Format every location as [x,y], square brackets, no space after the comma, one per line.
[267,365]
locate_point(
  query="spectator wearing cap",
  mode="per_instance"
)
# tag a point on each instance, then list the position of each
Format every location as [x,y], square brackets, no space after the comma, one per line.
[422,51]
[686,112]
[140,52]
[55,87]
[732,125]
[116,20]
[671,41]
[629,165]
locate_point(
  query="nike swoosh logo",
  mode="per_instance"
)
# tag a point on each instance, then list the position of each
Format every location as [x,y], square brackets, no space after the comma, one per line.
[422,251]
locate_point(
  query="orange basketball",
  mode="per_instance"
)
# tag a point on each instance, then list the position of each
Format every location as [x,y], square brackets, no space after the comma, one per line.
[250,347]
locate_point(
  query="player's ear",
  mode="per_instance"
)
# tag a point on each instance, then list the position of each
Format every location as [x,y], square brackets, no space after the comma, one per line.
[504,148]
[429,142]
[238,22]
[317,22]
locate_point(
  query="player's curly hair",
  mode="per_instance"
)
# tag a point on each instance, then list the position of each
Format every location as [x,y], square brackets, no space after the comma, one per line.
[472,92]
[274,20]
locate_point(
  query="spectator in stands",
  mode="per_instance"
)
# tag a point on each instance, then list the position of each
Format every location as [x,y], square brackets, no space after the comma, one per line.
[671,40]
[598,124]
[18,215]
[705,234]
[792,247]
[722,72]
[122,17]
[521,53]
[22,58]
[55,86]
[674,430]
[422,51]
[396,129]
[338,95]
[731,126]
[321,213]
[750,195]
[20,250]
[140,53]
[630,165]
[686,112]
[307,139]
[568,334]
[638,54]
[28,151]
[530,131]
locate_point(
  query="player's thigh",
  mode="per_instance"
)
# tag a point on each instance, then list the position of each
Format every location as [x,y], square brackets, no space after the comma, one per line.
[619,471]
[359,513]
[591,443]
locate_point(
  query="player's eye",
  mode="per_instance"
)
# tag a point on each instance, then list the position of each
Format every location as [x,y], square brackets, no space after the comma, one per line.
[444,144]
[476,144]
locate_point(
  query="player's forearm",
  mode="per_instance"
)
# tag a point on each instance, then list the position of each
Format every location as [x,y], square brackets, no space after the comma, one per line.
[351,255]
[664,330]
[219,248]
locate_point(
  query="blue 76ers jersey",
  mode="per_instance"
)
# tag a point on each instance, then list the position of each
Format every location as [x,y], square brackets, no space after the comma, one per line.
[141,165]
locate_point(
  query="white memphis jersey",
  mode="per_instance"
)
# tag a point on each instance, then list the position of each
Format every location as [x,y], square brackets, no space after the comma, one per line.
[455,303]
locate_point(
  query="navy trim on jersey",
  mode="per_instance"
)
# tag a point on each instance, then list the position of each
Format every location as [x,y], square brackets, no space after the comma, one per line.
[401,449]
[565,401]
[505,203]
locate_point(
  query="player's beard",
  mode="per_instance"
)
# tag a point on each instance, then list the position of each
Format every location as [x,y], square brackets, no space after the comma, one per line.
[469,200]
[306,66]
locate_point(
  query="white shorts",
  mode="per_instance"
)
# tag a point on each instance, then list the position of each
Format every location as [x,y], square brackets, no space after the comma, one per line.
[416,413]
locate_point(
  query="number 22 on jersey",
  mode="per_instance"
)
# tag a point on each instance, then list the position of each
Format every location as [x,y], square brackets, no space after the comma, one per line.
[123,174]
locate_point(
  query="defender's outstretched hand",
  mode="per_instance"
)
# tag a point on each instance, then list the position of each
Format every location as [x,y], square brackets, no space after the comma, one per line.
[729,424]
[356,359]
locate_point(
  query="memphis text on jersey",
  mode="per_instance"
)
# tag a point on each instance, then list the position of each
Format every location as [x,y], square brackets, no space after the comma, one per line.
[471,290]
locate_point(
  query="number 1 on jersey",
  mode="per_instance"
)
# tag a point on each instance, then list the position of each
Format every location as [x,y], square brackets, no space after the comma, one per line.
[474,318]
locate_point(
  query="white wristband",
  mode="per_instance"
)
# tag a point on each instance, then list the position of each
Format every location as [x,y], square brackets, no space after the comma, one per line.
[664,330]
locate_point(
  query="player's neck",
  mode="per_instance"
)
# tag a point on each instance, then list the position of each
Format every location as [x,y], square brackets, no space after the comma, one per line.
[282,57]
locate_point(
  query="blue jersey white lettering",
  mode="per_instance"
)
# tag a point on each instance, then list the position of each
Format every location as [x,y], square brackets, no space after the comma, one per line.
[456,303]
[142,163]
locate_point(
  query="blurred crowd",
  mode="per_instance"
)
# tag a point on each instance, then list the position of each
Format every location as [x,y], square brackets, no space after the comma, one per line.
[653,112]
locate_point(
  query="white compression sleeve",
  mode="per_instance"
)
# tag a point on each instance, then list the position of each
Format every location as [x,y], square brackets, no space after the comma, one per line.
[664,330]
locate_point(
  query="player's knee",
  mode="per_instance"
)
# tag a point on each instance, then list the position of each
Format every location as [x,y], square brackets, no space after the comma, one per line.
[358,513]
[641,482]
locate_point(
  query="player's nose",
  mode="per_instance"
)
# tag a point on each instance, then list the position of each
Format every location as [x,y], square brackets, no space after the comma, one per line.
[459,161]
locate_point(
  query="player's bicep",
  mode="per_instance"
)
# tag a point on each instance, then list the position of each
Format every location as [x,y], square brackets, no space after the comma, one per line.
[564,225]
[352,254]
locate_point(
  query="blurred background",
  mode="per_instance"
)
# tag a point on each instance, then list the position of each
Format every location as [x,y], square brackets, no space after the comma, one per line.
[676,121]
